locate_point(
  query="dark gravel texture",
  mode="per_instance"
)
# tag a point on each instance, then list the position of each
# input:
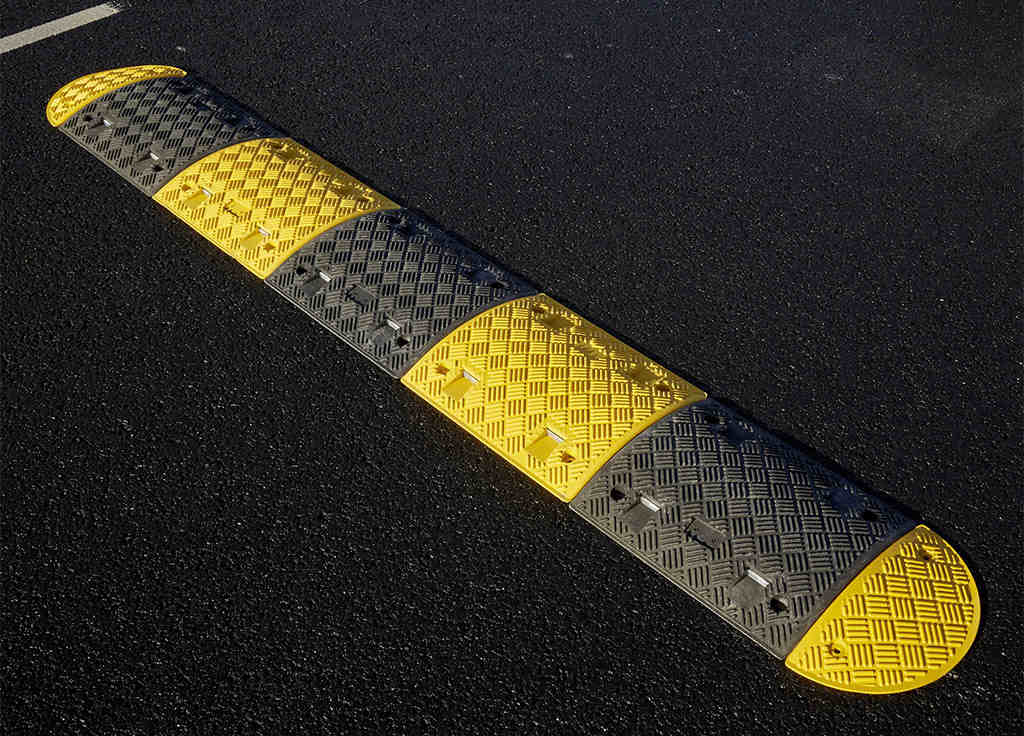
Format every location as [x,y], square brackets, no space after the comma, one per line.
[218,519]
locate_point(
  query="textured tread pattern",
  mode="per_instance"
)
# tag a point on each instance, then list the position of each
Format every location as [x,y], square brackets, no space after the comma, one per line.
[748,525]
[391,284]
[151,130]
[76,94]
[551,393]
[261,200]
[905,621]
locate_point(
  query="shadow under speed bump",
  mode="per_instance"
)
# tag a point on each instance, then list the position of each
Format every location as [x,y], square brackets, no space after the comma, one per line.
[547,390]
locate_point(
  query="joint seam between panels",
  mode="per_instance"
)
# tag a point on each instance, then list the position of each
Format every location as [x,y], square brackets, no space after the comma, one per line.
[555,395]
[261,200]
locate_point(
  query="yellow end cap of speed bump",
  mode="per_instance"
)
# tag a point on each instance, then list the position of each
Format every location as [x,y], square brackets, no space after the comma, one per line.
[906,620]
[547,390]
[78,93]
[261,200]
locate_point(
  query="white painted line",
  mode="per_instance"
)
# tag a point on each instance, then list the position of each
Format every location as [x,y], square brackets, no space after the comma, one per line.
[55,27]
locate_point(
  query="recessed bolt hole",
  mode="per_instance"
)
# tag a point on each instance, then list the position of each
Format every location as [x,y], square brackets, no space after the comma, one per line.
[402,341]
[925,555]
[869,515]
[565,457]
[778,605]
[441,370]
[662,388]
[538,309]
[838,648]
[712,419]
[618,494]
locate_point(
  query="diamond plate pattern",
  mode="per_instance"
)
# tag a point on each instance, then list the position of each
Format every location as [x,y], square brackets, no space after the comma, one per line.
[905,621]
[151,130]
[78,93]
[748,525]
[391,284]
[551,393]
[261,200]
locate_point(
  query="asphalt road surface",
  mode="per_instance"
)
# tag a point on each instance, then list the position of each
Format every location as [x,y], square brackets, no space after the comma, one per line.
[219,519]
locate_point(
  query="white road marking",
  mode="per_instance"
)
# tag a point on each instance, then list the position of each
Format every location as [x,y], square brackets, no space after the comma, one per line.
[55,27]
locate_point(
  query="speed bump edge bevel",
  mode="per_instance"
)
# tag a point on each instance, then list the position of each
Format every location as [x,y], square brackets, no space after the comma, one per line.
[261,200]
[151,130]
[550,392]
[905,621]
[745,523]
[79,92]
[391,284]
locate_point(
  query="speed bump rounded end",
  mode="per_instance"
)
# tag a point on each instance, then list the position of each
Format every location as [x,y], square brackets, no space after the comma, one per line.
[906,620]
[78,93]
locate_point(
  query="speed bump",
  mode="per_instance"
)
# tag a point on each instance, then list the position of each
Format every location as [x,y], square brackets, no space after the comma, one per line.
[903,622]
[547,390]
[151,130]
[261,200]
[742,521]
[78,93]
[813,568]
[391,284]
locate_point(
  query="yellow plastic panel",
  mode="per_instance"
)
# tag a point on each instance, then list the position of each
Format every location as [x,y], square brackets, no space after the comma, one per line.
[264,199]
[75,95]
[904,621]
[551,393]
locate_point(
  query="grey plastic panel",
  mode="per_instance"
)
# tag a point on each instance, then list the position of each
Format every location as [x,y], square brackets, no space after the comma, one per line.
[391,284]
[748,525]
[149,131]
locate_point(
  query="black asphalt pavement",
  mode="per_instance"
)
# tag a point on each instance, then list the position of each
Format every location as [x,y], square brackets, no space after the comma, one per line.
[216,518]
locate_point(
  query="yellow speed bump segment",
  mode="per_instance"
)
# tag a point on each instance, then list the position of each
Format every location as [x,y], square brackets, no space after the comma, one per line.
[904,621]
[262,200]
[75,95]
[547,390]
